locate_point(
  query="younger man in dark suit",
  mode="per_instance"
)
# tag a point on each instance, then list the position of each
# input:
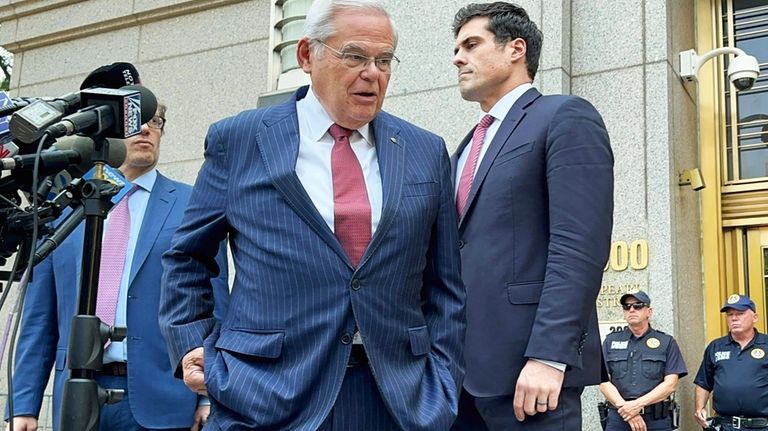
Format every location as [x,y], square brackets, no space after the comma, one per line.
[534,194]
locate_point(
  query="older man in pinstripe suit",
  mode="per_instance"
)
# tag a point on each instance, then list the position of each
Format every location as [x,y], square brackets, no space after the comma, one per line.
[347,312]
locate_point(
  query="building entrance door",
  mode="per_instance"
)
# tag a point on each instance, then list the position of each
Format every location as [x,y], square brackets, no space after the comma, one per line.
[733,148]
[746,273]
[757,271]
[746,270]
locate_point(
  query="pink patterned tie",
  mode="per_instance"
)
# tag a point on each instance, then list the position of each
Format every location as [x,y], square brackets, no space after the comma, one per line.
[351,207]
[115,244]
[468,174]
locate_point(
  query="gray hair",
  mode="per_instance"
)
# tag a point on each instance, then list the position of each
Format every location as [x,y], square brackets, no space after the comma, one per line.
[318,25]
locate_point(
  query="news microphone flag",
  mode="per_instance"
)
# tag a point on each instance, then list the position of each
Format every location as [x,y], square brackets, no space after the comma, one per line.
[115,176]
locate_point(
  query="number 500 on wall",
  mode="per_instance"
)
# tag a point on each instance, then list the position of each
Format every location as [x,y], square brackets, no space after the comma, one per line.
[628,255]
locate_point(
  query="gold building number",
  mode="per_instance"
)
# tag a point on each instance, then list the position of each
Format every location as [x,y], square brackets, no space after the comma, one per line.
[628,255]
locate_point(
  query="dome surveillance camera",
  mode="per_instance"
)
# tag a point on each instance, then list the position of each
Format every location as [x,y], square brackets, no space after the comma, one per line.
[743,72]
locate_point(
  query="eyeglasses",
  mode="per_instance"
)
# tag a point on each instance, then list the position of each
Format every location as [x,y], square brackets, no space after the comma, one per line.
[386,64]
[635,305]
[156,122]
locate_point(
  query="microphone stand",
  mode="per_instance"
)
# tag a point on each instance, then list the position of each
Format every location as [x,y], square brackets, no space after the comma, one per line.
[83,397]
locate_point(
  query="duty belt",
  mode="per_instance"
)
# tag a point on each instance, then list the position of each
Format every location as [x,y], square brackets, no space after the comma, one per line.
[659,410]
[738,422]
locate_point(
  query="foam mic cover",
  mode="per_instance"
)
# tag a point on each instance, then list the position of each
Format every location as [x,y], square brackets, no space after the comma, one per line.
[113,75]
[85,147]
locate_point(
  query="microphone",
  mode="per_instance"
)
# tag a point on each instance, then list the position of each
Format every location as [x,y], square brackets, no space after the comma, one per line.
[31,121]
[113,113]
[60,234]
[113,75]
[76,153]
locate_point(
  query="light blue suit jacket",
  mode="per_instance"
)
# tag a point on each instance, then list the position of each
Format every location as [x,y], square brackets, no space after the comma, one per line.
[158,400]
[279,357]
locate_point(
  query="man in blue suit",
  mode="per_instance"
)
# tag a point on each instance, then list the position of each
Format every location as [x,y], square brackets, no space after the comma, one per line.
[154,398]
[348,308]
[534,192]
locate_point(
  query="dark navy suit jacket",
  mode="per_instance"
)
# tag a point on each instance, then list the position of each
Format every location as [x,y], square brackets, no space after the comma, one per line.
[158,400]
[535,237]
[279,357]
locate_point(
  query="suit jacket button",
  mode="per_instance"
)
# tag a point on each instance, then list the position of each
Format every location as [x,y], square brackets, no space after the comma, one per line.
[346,338]
[461,244]
[356,285]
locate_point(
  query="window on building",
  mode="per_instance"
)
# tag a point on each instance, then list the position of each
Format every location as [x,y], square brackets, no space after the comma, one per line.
[287,28]
[745,26]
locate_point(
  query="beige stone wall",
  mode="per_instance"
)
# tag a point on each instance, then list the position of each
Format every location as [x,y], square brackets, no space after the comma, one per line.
[209,58]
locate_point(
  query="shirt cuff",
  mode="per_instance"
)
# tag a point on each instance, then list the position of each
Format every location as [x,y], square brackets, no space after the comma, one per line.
[556,365]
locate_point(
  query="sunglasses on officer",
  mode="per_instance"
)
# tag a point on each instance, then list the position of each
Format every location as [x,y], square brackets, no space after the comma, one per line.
[635,305]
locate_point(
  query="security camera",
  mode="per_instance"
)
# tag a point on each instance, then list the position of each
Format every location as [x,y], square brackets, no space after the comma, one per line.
[693,178]
[743,72]
[743,69]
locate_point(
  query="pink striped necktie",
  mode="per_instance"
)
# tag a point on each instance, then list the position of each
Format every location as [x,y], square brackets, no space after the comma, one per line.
[351,207]
[468,174]
[114,248]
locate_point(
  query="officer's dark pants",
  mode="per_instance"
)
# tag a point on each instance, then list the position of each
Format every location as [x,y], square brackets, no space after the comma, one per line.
[616,423]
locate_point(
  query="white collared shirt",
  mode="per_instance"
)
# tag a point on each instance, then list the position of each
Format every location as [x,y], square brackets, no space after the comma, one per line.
[137,207]
[498,112]
[313,166]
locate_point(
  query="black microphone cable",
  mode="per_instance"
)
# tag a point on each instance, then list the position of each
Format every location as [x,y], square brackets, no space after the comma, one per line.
[15,314]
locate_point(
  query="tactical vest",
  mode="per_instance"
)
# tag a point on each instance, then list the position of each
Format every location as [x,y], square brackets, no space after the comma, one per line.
[637,365]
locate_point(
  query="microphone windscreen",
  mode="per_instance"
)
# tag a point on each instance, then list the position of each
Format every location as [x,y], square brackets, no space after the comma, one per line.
[148,101]
[117,152]
[113,75]
[85,147]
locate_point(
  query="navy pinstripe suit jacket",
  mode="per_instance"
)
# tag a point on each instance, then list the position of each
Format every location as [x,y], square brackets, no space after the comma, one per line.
[277,361]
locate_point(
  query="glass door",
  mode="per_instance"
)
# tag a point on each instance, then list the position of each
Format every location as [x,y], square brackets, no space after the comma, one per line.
[757,272]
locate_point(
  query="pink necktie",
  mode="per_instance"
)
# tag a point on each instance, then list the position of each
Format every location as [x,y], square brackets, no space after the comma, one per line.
[351,208]
[114,247]
[468,174]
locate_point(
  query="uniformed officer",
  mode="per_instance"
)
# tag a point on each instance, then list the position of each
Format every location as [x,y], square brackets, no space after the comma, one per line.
[645,365]
[735,370]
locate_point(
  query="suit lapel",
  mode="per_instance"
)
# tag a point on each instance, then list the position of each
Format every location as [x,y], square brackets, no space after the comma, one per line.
[508,125]
[161,200]
[391,156]
[278,143]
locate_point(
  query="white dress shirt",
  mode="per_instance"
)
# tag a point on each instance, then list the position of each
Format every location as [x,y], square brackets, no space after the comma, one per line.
[137,207]
[313,166]
[498,112]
